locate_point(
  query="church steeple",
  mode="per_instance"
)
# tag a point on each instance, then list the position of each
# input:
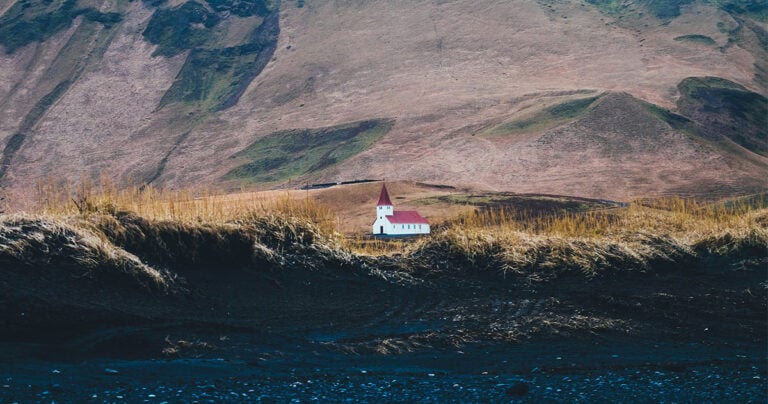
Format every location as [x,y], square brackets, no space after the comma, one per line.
[384,197]
[384,207]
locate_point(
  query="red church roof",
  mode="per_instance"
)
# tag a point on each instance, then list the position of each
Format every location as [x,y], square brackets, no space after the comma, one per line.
[384,197]
[406,217]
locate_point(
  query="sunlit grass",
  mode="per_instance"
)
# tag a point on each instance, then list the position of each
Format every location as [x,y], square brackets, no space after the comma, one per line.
[644,235]
[680,217]
[201,205]
[685,223]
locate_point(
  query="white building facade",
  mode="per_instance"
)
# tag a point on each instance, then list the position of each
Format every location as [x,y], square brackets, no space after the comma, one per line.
[391,222]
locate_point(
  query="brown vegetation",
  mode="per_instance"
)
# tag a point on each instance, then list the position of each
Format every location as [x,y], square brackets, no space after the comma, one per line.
[104,225]
[668,232]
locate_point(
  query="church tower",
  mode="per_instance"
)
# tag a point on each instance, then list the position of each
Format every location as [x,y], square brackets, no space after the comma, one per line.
[384,207]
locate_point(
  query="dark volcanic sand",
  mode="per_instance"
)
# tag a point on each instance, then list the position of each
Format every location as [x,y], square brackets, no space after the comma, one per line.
[307,371]
[686,335]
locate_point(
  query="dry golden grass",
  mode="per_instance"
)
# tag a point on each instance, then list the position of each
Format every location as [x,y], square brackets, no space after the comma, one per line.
[643,235]
[321,208]
[37,241]
[681,217]
[635,235]
[372,246]
[202,205]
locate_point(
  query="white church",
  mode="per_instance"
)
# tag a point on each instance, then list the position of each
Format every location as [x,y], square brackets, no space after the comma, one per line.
[390,222]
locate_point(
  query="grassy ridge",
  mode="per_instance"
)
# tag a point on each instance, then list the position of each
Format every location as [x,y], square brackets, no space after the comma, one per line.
[190,24]
[726,108]
[177,29]
[670,9]
[662,9]
[756,9]
[293,153]
[547,118]
[127,228]
[83,263]
[212,75]
[703,39]
[29,21]
[141,238]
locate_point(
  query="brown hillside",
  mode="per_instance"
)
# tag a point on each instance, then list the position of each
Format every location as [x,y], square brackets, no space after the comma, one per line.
[448,73]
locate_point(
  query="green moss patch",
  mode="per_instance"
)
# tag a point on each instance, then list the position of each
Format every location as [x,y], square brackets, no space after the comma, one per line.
[670,9]
[757,9]
[29,21]
[724,96]
[241,8]
[178,29]
[213,76]
[570,109]
[218,77]
[294,153]
[672,119]
[725,108]
[547,118]
[662,9]
[189,25]
[702,39]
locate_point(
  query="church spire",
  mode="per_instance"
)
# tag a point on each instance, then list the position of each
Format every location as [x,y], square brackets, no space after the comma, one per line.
[384,197]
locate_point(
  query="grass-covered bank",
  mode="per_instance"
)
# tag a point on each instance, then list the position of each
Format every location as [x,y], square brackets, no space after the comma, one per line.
[96,257]
[125,243]
[174,230]
[643,236]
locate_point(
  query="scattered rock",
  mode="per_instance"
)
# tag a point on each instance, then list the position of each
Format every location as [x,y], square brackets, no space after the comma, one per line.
[674,367]
[519,389]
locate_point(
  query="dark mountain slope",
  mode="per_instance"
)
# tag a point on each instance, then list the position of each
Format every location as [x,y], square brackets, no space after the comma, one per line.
[724,108]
